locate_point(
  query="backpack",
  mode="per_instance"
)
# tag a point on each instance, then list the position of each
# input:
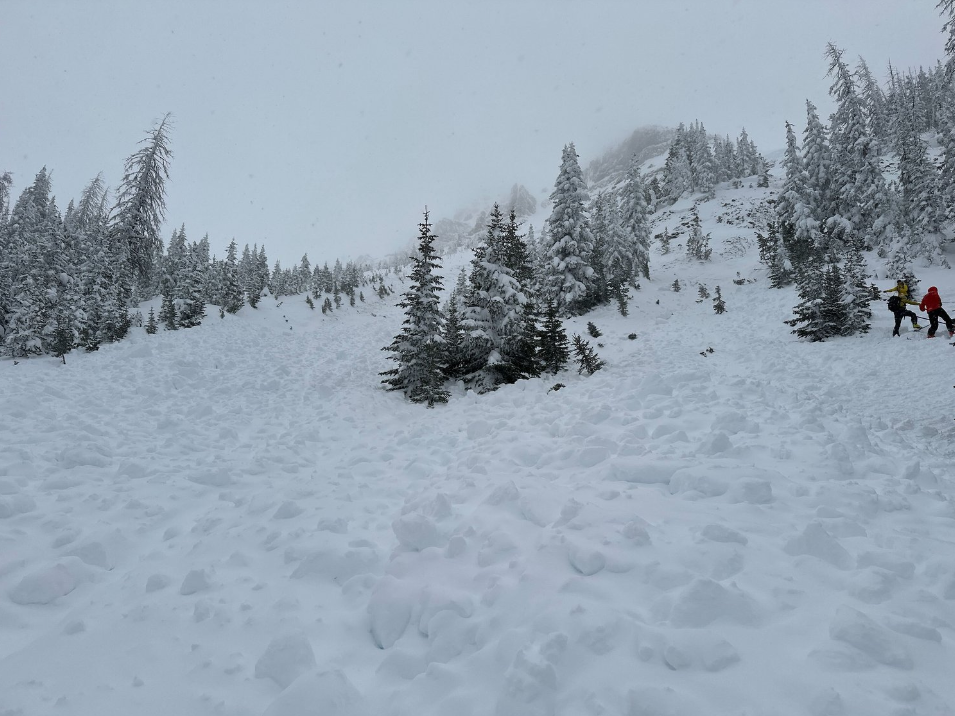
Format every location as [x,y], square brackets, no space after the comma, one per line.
[895,303]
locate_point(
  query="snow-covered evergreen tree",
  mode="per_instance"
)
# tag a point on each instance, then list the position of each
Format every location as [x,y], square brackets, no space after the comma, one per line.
[697,243]
[419,348]
[567,275]
[141,203]
[232,298]
[635,258]
[861,200]
[493,314]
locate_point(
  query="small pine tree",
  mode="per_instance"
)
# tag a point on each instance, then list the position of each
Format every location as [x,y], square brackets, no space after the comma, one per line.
[167,312]
[718,305]
[675,286]
[593,330]
[553,351]
[703,292]
[665,239]
[151,325]
[419,349]
[361,296]
[308,300]
[585,356]
[622,303]
[327,305]
[64,335]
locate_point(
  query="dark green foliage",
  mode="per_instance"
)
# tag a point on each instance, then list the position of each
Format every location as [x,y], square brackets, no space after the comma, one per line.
[167,312]
[419,348]
[455,355]
[622,304]
[64,336]
[361,296]
[593,330]
[151,325]
[311,304]
[821,313]
[718,305]
[553,347]
[585,356]
[675,286]
[703,292]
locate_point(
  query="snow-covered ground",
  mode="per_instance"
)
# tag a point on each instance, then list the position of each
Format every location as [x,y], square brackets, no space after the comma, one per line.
[237,520]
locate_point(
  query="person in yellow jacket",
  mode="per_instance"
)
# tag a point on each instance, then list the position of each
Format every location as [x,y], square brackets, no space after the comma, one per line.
[898,303]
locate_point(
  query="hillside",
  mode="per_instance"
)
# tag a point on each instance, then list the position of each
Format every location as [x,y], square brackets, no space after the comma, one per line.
[235,519]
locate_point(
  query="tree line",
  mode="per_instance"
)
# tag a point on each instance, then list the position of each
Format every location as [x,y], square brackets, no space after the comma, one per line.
[69,279]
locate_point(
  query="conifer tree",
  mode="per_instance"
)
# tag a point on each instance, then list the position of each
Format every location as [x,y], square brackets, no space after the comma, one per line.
[861,201]
[567,275]
[141,203]
[587,359]
[493,313]
[636,226]
[719,306]
[151,326]
[419,348]
[858,295]
[455,355]
[553,347]
[232,298]
[697,243]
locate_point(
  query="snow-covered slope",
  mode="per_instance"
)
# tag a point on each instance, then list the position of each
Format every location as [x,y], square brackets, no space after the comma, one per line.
[236,519]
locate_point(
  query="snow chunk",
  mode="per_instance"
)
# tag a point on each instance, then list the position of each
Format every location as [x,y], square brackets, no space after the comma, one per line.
[715,444]
[856,629]
[48,585]
[196,581]
[817,542]
[720,533]
[586,560]
[95,554]
[530,684]
[733,422]
[16,505]
[389,610]
[328,693]
[705,601]
[914,629]
[753,492]
[338,525]
[718,655]
[873,586]
[697,479]
[157,582]
[888,561]
[287,510]
[416,532]
[285,659]
[591,456]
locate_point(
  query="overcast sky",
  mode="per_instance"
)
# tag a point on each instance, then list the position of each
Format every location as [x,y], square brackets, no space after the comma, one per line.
[327,126]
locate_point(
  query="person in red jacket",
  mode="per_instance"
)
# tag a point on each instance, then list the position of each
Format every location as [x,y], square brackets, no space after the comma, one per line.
[932,304]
